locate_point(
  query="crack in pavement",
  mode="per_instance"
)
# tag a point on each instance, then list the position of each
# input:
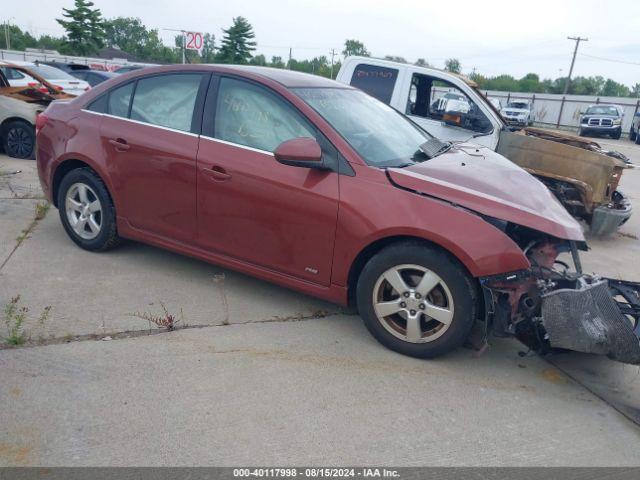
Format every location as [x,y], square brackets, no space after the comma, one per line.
[145,333]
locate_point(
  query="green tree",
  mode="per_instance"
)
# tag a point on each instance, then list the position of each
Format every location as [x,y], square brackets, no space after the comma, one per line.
[395,58]
[237,42]
[452,65]
[276,62]
[635,90]
[208,48]
[421,62]
[354,47]
[529,83]
[84,27]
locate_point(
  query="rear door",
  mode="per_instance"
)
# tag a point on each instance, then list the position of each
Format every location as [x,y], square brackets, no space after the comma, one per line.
[252,208]
[150,136]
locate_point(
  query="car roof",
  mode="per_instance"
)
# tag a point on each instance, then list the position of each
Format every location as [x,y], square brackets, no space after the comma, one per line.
[287,78]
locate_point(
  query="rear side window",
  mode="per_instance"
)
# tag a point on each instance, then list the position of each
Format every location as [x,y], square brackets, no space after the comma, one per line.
[166,100]
[99,105]
[376,81]
[253,116]
[11,73]
[119,99]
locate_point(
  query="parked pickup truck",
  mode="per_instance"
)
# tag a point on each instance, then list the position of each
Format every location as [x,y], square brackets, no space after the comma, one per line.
[578,171]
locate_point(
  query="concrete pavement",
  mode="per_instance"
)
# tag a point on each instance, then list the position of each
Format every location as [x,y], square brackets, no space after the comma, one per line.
[271,389]
[319,392]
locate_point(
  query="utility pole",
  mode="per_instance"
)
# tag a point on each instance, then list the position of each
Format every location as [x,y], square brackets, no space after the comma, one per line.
[184,41]
[290,57]
[7,35]
[333,54]
[573,60]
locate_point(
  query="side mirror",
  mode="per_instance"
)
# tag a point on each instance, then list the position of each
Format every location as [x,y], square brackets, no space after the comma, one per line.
[300,152]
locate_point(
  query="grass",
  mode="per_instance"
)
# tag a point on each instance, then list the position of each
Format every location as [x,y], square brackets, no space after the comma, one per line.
[14,318]
[41,210]
[165,320]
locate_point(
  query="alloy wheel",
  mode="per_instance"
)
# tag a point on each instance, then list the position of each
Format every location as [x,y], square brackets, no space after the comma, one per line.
[84,211]
[413,303]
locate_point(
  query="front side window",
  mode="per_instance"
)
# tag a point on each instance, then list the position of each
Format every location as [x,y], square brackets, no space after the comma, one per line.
[380,135]
[119,99]
[166,100]
[253,116]
[442,101]
[375,80]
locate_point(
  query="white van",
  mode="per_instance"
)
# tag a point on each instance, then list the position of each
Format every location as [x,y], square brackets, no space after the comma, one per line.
[448,106]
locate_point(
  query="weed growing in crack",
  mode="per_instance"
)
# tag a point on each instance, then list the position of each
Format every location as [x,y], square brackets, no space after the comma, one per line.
[165,320]
[41,209]
[14,318]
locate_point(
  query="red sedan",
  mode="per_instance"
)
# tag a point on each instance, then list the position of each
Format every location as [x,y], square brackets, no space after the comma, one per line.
[307,183]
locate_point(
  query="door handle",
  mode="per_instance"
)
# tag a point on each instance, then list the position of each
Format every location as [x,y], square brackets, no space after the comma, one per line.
[217,173]
[120,144]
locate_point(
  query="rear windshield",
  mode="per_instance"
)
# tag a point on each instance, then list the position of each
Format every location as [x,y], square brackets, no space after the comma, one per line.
[376,81]
[50,73]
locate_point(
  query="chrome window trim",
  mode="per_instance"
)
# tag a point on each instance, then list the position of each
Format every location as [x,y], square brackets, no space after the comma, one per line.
[212,139]
[245,147]
[141,123]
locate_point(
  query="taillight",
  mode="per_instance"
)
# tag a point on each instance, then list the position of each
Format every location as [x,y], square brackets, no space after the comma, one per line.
[58,87]
[41,120]
[38,86]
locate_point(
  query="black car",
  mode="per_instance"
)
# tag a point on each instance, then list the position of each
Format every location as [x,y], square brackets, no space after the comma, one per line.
[602,120]
[93,77]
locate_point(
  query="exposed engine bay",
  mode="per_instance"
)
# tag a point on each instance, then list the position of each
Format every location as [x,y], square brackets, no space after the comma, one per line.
[551,306]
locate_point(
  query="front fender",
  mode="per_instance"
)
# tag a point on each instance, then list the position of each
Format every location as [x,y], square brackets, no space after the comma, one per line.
[391,212]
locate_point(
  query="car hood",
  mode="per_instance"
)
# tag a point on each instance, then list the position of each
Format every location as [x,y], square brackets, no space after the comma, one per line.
[515,110]
[481,180]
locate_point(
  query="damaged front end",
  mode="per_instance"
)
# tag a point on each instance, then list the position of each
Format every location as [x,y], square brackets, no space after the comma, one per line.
[550,306]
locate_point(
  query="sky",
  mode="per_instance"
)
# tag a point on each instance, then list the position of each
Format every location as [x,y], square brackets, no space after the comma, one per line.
[492,37]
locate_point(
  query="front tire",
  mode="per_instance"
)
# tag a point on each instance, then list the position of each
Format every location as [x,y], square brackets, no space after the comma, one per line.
[19,139]
[617,134]
[86,210]
[632,134]
[417,300]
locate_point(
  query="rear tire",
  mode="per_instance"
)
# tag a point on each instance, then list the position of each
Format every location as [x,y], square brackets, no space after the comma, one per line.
[86,210]
[436,309]
[19,139]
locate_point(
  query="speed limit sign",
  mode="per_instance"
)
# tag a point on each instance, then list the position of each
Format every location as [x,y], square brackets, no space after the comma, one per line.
[194,41]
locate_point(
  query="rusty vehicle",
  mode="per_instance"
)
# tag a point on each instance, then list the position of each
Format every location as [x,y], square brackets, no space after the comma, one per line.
[582,175]
[19,108]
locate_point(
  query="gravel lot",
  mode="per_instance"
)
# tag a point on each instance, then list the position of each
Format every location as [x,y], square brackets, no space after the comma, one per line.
[271,376]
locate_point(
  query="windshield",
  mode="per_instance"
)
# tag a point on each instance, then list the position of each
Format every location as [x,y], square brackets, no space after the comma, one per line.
[380,135]
[521,105]
[50,73]
[602,110]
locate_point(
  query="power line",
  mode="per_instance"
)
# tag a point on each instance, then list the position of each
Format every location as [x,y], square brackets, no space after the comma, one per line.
[573,60]
[626,62]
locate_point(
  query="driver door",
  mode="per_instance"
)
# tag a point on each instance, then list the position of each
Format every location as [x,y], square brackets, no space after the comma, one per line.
[251,207]
[446,112]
